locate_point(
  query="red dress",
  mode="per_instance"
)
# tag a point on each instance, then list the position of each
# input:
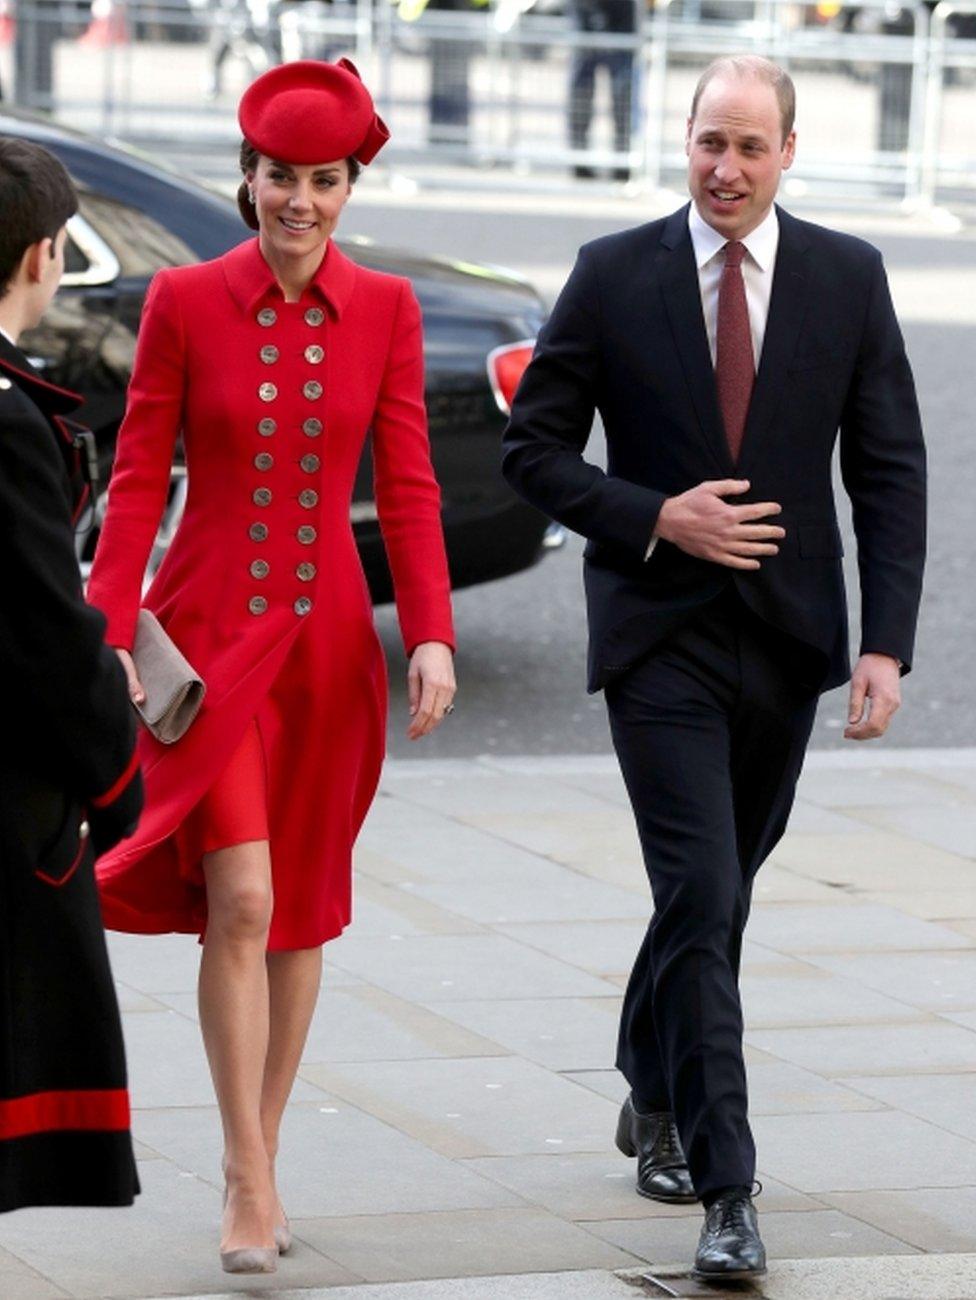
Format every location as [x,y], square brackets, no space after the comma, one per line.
[262,588]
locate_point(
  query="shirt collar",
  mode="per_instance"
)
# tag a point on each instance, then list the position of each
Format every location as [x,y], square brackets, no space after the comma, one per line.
[761,244]
[251,280]
[6,336]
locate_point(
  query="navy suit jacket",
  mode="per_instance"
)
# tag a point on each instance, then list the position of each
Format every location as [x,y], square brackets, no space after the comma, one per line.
[627,338]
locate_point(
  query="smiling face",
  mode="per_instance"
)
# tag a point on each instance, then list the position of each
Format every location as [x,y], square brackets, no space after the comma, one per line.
[736,154]
[297,205]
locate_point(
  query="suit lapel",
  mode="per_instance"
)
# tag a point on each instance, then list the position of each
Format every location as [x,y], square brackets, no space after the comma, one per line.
[678,278]
[787,308]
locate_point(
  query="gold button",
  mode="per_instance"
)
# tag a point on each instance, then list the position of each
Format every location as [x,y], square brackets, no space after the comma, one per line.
[260,568]
[302,605]
[269,354]
[257,604]
[258,532]
[310,463]
[261,496]
[306,534]
[263,460]
[314,354]
[267,427]
[312,390]
[312,427]
[267,392]
[307,498]
[314,316]
[305,572]
[267,316]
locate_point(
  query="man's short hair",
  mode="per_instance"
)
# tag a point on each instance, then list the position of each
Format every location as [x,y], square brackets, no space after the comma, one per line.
[36,199]
[755,66]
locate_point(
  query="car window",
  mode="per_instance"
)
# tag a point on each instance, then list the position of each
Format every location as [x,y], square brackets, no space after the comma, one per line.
[141,245]
[75,261]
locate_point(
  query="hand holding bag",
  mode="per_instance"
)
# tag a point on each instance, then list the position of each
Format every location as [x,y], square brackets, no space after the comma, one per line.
[174,691]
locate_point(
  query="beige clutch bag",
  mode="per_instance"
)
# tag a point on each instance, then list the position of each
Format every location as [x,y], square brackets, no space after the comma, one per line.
[174,691]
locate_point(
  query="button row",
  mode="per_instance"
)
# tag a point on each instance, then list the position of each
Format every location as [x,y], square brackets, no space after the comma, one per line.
[308,498]
[259,605]
[306,534]
[311,427]
[313,354]
[267,316]
[305,571]
[311,389]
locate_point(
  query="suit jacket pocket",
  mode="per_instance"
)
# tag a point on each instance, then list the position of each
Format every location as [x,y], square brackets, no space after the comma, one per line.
[819,542]
[62,856]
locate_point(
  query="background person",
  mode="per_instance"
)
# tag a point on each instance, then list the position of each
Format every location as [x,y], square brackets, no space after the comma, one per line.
[274,361]
[69,781]
[602,17]
[724,346]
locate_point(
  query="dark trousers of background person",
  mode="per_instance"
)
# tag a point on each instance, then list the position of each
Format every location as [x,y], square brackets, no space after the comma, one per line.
[619,65]
[449,98]
[710,730]
[35,35]
[599,18]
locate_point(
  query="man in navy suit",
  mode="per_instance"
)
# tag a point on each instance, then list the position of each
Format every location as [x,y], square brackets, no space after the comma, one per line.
[725,347]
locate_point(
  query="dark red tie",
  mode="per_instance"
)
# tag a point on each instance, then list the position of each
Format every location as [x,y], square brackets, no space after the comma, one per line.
[735,369]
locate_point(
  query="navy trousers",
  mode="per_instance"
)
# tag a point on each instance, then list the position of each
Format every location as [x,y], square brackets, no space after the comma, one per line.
[710,731]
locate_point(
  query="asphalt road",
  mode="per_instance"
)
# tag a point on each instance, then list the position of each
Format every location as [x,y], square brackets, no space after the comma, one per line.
[522,639]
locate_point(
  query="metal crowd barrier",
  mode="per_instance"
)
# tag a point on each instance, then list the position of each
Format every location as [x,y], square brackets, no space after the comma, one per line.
[589,88]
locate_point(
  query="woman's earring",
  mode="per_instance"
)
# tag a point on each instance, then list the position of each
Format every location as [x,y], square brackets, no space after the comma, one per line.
[250,197]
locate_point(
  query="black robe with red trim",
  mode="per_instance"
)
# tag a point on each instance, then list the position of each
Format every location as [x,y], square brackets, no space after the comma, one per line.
[69,787]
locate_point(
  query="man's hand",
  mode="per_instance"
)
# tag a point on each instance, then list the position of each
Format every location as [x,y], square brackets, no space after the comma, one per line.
[701,523]
[875,695]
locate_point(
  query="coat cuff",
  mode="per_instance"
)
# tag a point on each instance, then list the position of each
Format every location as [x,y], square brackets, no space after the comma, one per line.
[114,814]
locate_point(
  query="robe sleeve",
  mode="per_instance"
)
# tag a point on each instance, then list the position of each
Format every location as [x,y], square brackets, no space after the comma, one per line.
[65,679]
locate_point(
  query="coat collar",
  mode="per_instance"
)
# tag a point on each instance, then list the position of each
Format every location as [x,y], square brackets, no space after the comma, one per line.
[251,280]
[51,399]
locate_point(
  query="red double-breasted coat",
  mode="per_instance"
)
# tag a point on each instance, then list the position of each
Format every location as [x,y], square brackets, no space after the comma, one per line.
[262,588]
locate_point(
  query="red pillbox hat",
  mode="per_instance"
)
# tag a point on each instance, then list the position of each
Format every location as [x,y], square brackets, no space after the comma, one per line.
[312,112]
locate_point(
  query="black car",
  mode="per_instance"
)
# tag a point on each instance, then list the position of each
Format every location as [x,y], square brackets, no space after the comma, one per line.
[479,326]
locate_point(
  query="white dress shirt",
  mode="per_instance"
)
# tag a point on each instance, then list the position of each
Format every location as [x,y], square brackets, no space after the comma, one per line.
[7,336]
[757,274]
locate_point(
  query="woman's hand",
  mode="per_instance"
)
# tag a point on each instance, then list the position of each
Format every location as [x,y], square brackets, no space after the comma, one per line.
[136,693]
[430,687]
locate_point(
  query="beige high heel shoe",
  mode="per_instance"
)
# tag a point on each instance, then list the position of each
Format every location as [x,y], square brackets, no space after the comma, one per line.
[252,1259]
[283,1237]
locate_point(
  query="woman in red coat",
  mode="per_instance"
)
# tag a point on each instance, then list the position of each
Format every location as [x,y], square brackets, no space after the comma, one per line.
[273,362]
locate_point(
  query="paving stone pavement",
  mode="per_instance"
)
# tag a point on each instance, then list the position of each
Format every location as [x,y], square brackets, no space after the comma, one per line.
[451,1129]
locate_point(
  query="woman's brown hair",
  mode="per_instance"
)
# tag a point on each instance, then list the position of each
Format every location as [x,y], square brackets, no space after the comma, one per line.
[249,157]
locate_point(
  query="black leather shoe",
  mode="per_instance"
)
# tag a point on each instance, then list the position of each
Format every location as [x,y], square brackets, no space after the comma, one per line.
[662,1171]
[730,1248]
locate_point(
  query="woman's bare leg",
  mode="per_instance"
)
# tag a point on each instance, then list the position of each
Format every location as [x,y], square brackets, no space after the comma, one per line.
[293,981]
[234,1017]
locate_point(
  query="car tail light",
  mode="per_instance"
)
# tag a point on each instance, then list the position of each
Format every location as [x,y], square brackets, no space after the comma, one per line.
[506,366]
